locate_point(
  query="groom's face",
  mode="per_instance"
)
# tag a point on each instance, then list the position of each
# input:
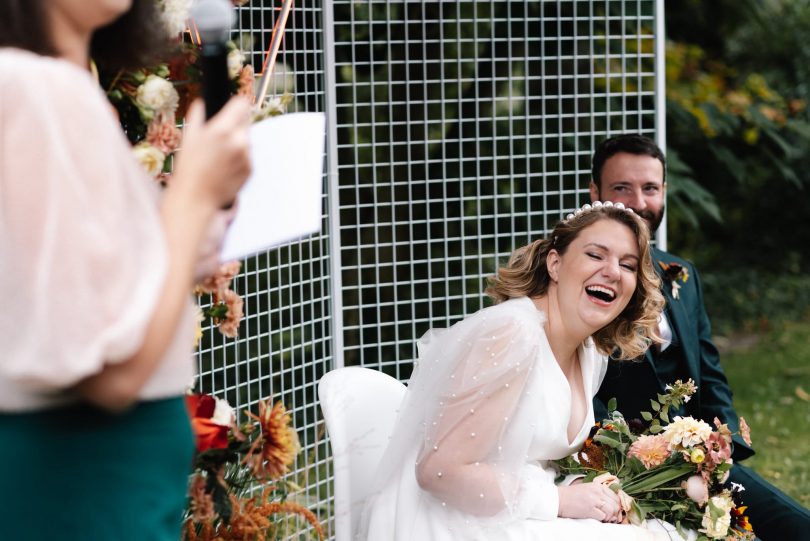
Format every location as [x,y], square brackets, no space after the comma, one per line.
[637,181]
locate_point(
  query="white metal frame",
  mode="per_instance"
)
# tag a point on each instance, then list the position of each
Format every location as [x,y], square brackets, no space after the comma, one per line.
[456,131]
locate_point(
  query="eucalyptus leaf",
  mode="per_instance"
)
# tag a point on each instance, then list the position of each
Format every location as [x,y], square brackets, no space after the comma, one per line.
[608,438]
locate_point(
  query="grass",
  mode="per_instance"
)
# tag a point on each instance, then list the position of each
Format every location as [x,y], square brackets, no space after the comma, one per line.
[771,384]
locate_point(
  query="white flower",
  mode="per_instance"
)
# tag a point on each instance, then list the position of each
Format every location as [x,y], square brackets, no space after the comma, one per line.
[686,432]
[223,413]
[717,528]
[150,157]
[236,59]
[175,14]
[156,96]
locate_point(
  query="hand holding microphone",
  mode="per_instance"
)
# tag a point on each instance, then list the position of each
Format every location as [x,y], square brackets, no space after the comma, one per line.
[214,19]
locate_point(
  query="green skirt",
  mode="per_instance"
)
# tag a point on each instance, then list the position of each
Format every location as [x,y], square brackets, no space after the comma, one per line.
[78,473]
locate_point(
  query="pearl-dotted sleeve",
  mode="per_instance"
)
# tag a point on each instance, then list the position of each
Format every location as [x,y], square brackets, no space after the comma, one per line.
[479,427]
[82,255]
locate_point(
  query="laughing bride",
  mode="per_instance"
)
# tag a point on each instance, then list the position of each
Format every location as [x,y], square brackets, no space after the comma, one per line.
[502,393]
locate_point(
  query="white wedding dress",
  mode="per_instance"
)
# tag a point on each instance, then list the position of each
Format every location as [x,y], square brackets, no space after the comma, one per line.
[489,390]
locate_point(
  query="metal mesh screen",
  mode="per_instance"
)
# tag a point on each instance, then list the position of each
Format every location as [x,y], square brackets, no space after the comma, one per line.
[285,342]
[465,130]
[459,130]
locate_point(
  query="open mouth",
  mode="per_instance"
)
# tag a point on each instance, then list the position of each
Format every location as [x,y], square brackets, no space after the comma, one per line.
[601,293]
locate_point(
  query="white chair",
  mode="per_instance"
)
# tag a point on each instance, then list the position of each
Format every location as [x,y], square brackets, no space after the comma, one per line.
[360,408]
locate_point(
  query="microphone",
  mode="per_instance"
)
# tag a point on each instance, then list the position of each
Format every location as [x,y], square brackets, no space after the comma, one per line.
[214,19]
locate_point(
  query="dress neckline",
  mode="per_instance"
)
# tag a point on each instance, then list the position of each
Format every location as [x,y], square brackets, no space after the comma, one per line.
[585,366]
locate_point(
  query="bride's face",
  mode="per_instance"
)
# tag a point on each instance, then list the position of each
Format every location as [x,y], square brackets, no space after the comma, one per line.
[597,275]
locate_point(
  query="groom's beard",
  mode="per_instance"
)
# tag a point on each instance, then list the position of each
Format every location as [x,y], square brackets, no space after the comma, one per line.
[653,219]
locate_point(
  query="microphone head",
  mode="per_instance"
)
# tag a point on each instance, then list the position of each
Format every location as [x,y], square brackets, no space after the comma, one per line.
[214,19]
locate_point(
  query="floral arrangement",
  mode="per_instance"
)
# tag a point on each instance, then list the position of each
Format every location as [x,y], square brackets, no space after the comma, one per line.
[235,488]
[675,471]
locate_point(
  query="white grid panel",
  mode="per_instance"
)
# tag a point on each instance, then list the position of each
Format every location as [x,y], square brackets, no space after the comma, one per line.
[286,339]
[465,129]
[459,131]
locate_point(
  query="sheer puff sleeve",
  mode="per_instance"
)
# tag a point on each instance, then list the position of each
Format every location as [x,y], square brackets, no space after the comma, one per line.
[478,416]
[82,255]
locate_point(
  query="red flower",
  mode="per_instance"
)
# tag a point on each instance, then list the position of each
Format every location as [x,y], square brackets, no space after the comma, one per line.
[207,433]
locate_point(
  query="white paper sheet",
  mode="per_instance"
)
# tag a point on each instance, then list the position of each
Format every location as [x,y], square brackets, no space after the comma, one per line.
[281,200]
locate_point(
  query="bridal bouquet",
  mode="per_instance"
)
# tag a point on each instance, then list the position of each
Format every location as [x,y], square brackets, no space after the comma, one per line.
[673,470]
[235,489]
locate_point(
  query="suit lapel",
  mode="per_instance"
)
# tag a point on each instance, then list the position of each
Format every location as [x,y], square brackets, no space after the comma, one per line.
[678,317]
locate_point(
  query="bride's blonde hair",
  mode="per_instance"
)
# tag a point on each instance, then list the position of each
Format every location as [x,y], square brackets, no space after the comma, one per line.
[526,274]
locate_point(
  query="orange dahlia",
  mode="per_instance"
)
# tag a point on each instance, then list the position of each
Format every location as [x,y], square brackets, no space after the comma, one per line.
[275,449]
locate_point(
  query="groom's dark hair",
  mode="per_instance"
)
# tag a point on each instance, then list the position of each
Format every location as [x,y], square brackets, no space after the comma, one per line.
[628,143]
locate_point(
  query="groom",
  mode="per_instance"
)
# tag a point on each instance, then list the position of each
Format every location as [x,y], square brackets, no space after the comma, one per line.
[631,169]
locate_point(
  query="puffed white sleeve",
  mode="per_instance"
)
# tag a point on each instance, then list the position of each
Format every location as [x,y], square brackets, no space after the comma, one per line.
[479,428]
[82,255]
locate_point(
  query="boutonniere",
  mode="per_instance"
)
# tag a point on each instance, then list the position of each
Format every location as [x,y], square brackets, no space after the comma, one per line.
[675,272]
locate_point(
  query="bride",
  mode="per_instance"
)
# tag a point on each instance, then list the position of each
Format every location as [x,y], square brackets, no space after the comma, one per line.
[508,389]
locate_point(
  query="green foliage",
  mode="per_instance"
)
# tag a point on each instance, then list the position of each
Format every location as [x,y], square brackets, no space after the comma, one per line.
[738,133]
[685,194]
[748,300]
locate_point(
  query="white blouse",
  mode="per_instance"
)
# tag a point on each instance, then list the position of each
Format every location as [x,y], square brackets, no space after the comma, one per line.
[82,253]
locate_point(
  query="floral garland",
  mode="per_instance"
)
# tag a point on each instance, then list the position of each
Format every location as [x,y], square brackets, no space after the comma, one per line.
[152,101]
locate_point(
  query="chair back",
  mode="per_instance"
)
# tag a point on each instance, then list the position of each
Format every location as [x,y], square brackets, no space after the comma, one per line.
[360,407]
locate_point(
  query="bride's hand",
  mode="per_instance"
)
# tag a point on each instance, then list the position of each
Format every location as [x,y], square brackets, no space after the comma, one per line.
[589,500]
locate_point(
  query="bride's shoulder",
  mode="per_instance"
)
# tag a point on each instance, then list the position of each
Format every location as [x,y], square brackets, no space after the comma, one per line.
[517,318]
[519,309]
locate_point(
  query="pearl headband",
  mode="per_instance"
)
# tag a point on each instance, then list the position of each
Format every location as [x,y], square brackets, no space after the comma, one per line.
[597,205]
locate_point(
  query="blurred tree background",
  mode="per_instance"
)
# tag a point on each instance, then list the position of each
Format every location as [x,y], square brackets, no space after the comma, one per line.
[738,136]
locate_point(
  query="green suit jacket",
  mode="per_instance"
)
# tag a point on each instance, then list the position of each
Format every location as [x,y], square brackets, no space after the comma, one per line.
[634,383]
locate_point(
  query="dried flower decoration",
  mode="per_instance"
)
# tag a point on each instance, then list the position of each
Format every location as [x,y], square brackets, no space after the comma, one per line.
[228,497]
[278,444]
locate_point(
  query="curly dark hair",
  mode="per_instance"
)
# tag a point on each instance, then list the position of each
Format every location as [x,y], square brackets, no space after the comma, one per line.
[134,40]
